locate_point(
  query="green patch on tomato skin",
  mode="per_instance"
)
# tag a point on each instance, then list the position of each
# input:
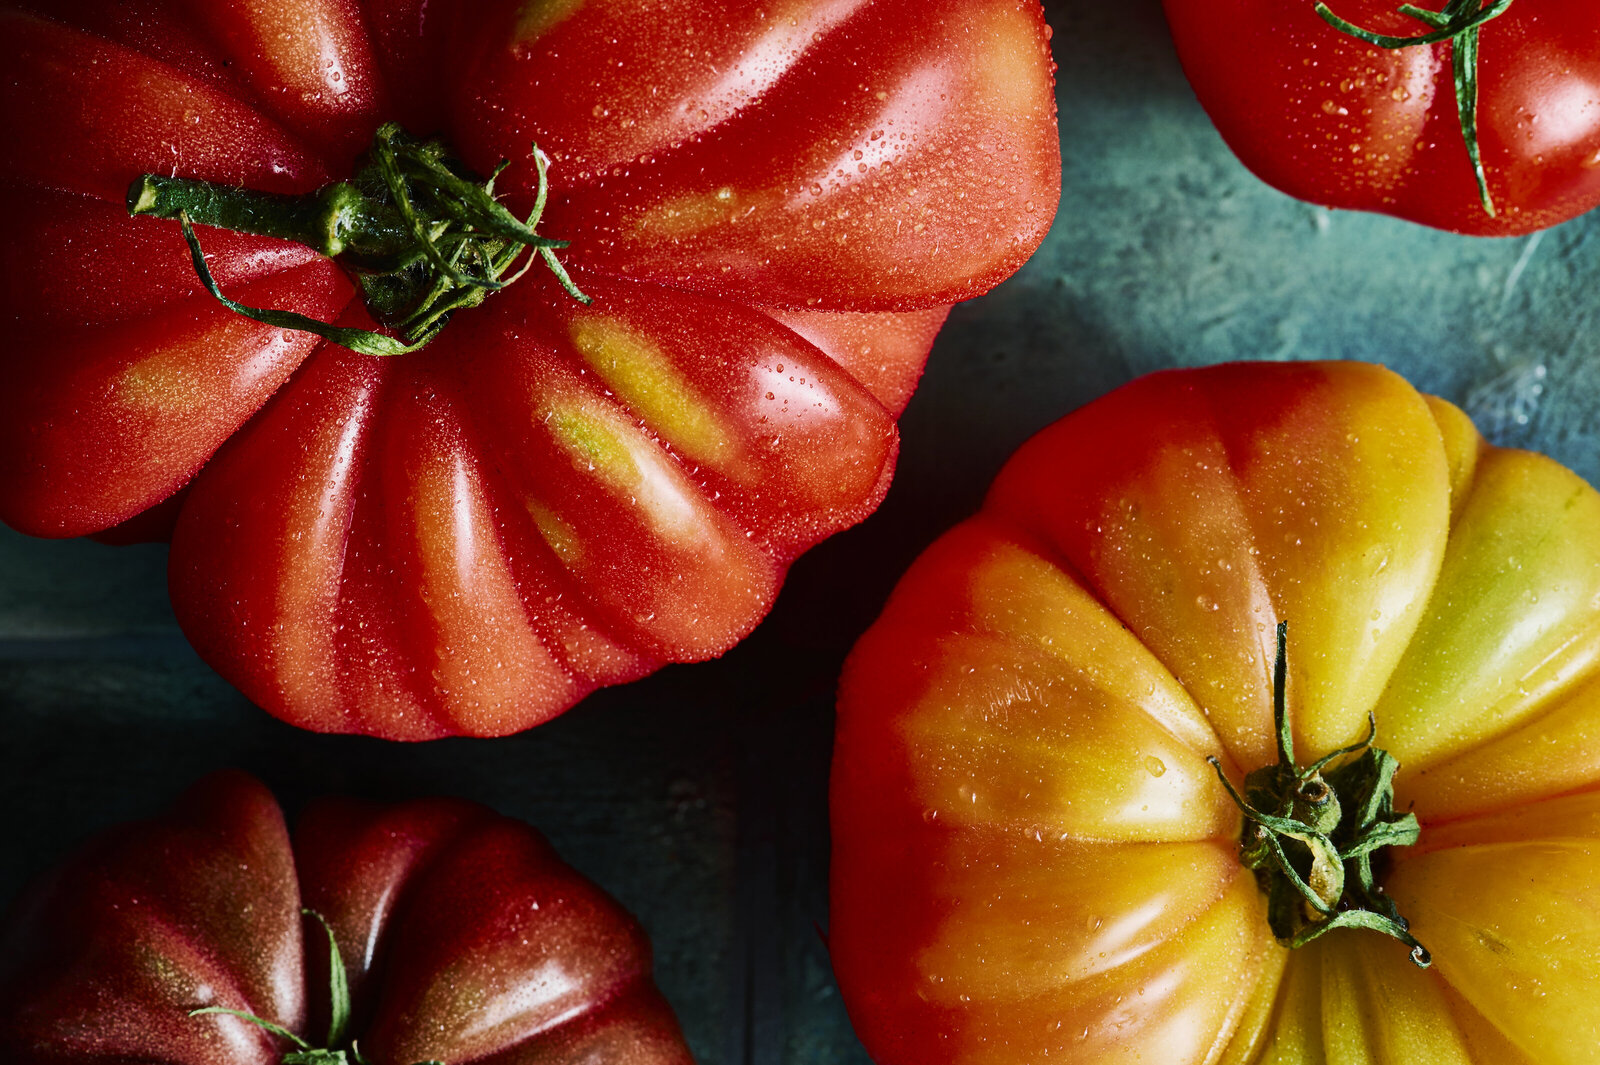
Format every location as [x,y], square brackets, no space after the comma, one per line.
[592,443]
[635,367]
[538,17]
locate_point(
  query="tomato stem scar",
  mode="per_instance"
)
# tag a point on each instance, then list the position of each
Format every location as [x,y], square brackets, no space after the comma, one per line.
[339,1016]
[1458,23]
[1313,854]
[422,235]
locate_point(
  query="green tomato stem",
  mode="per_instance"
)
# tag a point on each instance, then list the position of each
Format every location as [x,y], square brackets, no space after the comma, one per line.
[422,235]
[333,221]
[339,1013]
[1311,832]
[1458,24]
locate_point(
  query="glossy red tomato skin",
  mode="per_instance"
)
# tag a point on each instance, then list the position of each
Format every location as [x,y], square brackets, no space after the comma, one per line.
[549,498]
[432,902]
[1341,123]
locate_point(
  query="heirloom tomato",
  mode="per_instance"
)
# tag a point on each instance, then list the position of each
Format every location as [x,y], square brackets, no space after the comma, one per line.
[1323,113]
[459,936]
[769,206]
[1037,852]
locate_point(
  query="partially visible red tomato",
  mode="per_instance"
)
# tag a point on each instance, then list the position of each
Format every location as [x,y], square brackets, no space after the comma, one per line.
[463,938]
[771,205]
[1331,119]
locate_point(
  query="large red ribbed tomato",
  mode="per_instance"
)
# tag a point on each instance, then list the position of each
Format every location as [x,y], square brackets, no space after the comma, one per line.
[463,937]
[1035,857]
[1330,117]
[770,204]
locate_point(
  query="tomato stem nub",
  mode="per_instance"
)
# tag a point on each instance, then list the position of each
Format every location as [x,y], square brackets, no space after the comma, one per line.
[1312,854]
[1458,23]
[423,236]
[339,1016]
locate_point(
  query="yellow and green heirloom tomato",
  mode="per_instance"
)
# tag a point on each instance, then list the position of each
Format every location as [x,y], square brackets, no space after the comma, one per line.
[1035,858]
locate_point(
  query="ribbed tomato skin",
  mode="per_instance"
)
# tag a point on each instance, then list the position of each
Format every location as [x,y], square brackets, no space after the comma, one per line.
[462,933]
[772,209]
[1033,858]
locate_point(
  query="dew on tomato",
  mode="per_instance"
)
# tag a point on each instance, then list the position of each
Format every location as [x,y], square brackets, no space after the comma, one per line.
[1041,654]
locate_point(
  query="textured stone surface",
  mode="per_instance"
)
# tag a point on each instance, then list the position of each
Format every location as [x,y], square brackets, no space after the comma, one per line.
[698,796]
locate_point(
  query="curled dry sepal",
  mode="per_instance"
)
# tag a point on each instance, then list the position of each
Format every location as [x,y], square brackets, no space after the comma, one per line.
[339,1016]
[1313,852]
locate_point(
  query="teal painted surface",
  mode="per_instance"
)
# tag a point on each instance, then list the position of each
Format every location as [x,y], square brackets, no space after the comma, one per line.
[698,796]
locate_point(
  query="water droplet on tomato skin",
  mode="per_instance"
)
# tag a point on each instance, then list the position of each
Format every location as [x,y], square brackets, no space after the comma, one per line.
[1154,766]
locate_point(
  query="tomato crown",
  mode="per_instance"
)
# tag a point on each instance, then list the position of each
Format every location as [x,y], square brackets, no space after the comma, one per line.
[422,234]
[339,1016]
[1313,854]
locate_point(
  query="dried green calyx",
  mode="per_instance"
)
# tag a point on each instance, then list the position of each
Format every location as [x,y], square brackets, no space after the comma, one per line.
[422,235]
[1311,833]
[336,1052]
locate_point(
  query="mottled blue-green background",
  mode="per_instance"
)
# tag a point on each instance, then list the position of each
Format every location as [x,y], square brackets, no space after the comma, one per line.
[698,796]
